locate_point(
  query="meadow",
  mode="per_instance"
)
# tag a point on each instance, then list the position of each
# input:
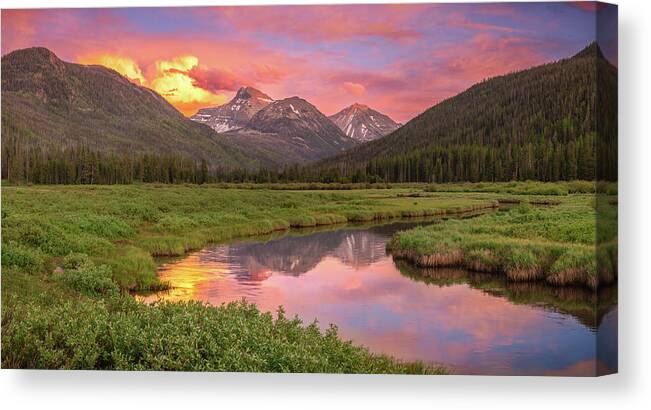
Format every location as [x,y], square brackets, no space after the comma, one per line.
[72,254]
[566,240]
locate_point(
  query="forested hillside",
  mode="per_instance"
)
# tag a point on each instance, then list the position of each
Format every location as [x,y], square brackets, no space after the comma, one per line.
[55,109]
[68,123]
[538,124]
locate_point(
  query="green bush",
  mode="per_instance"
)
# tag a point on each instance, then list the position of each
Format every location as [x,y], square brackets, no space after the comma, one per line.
[90,279]
[19,256]
[75,260]
[181,336]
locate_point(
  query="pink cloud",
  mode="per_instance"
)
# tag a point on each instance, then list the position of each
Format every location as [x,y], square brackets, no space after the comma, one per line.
[461,21]
[215,79]
[403,74]
[354,88]
[325,23]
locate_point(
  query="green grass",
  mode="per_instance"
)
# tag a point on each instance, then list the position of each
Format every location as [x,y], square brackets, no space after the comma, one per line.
[70,253]
[560,188]
[123,227]
[555,243]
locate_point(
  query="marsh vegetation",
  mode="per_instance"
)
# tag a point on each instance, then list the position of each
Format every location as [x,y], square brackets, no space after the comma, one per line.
[71,254]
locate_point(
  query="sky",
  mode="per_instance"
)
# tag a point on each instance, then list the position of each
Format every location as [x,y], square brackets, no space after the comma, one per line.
[399,59]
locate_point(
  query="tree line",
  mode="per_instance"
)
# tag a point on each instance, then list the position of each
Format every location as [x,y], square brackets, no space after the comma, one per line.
[81,165]
[540,159]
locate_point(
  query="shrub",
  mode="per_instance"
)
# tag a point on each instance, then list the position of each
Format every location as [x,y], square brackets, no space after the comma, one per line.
[90,279]
[181,336]
[19,256]
[75,260]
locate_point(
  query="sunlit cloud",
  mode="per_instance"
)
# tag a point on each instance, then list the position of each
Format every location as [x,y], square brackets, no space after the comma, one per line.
[398,59]
[175,84]
[123,65]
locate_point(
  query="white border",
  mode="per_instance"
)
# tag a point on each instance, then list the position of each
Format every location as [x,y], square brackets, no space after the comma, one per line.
[629,389]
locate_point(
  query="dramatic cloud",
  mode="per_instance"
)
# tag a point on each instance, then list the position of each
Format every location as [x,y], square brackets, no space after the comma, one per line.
[181,89]
[125,66]
[399,59]
[214,79]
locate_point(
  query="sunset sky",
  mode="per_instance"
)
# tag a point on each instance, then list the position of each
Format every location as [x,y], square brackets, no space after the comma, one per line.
[398,59]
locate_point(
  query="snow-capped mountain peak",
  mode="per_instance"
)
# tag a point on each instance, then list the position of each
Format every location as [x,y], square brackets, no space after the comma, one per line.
[236,113]
[362,123]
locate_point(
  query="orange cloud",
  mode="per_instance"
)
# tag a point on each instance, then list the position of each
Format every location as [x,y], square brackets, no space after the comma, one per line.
[123,65]
[179,80]
[354,88]
[173,82]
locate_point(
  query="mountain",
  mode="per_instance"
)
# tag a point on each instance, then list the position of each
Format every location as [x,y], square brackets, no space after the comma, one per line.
[540,123]
[236,113]
[298,128]
[363,124]
[283,132]
[47,102]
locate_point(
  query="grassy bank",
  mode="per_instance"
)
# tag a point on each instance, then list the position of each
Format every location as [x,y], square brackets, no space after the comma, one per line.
[69,253]
[555,243]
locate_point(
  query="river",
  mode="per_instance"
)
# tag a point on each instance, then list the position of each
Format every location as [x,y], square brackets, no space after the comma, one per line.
[469,322]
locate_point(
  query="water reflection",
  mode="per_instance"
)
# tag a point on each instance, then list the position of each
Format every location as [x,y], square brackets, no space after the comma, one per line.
[474,323]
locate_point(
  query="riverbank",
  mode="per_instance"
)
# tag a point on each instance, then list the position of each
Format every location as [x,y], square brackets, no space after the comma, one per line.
[555,243]
[70,253]
[123,227]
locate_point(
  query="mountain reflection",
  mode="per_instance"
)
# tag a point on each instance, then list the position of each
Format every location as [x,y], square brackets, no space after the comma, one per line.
[295,255]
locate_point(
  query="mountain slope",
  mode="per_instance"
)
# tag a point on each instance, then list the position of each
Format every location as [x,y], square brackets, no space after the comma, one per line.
[538,123]
[298,126]
[363,124]
[52,103]
[236,113]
